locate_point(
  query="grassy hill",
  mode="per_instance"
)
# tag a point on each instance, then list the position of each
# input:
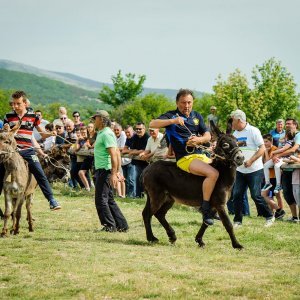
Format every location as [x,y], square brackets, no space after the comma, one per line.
[44,91]
[75,80]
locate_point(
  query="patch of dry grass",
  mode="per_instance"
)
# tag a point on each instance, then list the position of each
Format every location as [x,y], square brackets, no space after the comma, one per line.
[66,259]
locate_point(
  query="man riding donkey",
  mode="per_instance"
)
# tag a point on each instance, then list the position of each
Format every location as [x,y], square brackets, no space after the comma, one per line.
[25,121]
[186,130]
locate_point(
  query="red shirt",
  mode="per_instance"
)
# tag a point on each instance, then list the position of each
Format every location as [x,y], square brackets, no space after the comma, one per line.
[24,133]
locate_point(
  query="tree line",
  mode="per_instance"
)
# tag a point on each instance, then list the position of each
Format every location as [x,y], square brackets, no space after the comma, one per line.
[269,95]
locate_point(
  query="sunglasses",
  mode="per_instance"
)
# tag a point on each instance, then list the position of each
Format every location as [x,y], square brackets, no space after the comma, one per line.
[139,129]
[64,118]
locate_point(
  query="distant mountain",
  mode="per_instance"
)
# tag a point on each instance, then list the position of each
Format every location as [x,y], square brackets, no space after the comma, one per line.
[71,79]
[42,90]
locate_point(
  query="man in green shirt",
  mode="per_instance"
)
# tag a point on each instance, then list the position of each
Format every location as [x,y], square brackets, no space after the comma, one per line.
[107,166]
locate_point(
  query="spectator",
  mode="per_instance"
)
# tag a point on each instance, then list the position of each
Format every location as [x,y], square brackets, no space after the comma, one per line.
[121,140]
[87,163]
[76,119]
[278,133]
[107,166]
[64,119]
[82,144]
[1,124]
[49,141]
[289,137]
[251,173]
[61,134]
[286,178]
[152,144]
[269,194]
[139,142]
[296,181]
[36,134]
[71,138]
[127,166]
[212,116]
[62,111]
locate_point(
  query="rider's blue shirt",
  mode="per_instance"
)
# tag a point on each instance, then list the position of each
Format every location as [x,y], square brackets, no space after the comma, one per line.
[178,135]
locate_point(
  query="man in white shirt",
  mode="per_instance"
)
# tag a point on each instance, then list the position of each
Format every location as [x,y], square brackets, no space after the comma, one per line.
[250,174]
[152,144]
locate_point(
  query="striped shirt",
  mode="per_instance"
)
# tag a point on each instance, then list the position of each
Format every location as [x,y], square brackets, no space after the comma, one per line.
[24,133]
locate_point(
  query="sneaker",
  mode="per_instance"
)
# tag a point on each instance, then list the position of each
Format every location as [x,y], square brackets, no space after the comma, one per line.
[279,214]
[54,205]
[266,187]
[237,225]
[270,222]
[277,189]
[293,220]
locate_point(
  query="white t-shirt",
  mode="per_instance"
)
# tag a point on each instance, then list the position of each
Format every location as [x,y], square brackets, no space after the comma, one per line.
[151,144]
[249,139]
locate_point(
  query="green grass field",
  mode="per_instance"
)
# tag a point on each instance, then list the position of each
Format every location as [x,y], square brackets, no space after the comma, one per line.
[66,259]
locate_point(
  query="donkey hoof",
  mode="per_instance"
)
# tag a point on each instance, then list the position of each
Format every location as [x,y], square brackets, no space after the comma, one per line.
[200,243]
[238,246]
[153,240]
[172,240]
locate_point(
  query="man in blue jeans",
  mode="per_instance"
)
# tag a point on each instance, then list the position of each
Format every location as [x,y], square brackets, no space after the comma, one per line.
[26,120]
[250,174]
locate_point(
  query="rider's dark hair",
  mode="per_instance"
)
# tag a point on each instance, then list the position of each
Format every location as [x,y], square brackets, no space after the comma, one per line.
[184,92]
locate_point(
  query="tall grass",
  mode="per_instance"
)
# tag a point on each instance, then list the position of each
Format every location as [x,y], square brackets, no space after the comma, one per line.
[65,258]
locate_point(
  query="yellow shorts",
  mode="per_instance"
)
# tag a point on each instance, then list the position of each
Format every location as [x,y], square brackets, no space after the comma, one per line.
[184,162]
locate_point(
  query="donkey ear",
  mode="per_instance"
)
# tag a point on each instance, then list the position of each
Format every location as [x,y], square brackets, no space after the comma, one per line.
[214,129]
[15,128]
[229,126]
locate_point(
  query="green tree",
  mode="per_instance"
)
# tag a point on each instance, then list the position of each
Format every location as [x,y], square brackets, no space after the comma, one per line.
[4,102]
[203,104]
[274,94]
[124,89]
[143,109]
[230,95]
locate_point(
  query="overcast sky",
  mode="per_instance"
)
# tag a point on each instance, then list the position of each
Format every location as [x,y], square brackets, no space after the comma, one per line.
[175,43]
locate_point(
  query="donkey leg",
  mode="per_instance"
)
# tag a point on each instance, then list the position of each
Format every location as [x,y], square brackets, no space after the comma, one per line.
[147,216]
[29,213]
[200,234]
[16,228]
[7,213]
[161,217]
[229,228]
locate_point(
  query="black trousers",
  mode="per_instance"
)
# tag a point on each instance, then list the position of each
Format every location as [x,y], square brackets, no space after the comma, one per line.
[108,210]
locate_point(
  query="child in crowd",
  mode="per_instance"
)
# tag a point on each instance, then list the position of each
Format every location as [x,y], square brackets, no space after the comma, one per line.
[289,141]
[269,194]
[49,141]
[82,144]
[87,163]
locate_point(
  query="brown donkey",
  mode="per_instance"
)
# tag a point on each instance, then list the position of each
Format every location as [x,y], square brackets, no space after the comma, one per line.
[165,184]
[18,185]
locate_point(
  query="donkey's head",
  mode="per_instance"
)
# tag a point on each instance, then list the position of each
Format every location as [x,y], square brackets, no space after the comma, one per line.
[226,147]
[8,145]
